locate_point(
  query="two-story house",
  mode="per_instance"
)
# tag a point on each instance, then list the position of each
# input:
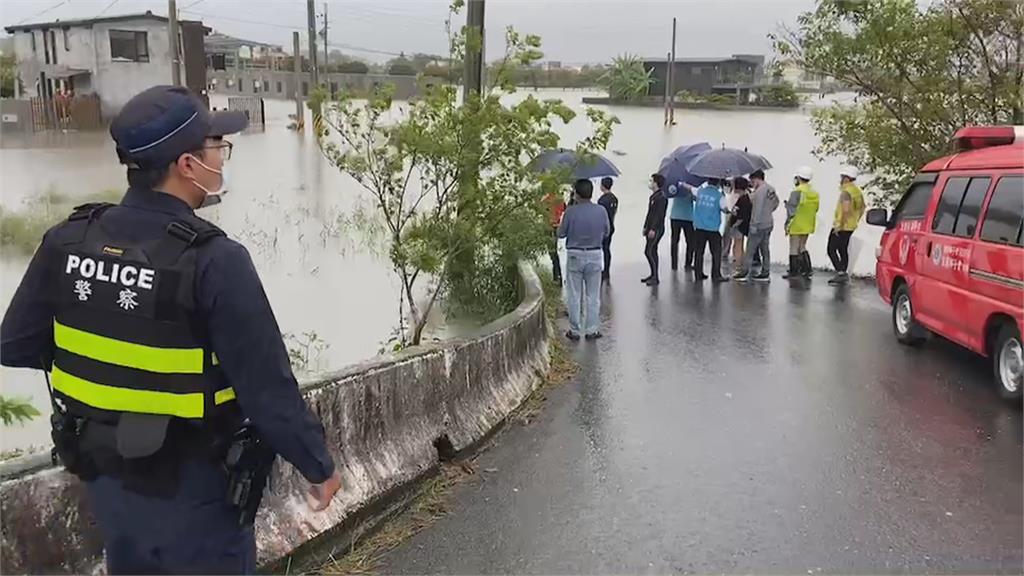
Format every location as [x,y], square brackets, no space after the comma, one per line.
[113,57]
[706,76]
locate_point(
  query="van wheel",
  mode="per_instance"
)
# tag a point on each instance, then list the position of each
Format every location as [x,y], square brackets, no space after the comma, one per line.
[1008,362]
[907,330]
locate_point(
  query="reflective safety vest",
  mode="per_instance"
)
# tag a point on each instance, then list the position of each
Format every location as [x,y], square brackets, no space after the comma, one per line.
[805,219]
[849,223]
[125,332]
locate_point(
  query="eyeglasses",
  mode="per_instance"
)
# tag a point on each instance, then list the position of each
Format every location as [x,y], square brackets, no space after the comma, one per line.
[224,147]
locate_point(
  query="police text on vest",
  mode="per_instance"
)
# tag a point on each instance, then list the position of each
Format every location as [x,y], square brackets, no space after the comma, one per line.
[115,273]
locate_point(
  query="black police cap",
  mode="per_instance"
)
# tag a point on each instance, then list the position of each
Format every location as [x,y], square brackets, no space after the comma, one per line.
[161,123]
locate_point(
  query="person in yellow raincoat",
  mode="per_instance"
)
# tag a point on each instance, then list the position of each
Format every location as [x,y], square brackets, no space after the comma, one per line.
[801,218]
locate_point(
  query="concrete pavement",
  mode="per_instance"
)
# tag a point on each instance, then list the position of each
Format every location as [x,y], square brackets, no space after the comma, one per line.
[746,428]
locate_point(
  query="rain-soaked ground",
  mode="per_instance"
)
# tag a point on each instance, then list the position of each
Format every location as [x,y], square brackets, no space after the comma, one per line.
[745,429]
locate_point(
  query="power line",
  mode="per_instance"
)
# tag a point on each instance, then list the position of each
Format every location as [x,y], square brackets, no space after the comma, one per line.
[55,6]
[242,21]
[108,7]
[192,5]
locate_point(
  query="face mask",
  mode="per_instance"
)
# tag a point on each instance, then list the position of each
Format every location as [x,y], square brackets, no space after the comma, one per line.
[213,197]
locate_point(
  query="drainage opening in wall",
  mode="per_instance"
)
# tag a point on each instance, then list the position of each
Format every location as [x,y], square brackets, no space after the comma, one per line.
[445,450]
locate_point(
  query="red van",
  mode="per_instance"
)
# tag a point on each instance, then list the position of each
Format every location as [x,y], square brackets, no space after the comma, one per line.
[951,260]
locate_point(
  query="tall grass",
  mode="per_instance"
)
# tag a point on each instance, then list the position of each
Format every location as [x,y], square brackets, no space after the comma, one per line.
[22,230]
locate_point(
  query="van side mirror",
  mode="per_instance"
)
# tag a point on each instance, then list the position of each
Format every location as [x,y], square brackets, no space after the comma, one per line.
[878,217]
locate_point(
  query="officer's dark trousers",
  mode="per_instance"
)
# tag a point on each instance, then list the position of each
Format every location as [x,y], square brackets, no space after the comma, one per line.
[193,533]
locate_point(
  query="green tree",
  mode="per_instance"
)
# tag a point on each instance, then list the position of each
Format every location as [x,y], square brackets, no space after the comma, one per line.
[8,75]
[16,410]
[781,94]
[352,67]
[627,79]
[447,177]
[921,72]
[401,66]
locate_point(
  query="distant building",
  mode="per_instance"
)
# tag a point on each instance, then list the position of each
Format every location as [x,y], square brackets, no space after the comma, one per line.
[113,57]
[225,52]
[806,81]
[736,74]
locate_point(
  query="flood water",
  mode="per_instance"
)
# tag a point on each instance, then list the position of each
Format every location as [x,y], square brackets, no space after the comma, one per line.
[286,201]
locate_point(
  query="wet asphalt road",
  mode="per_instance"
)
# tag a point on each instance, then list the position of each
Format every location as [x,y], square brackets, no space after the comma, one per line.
[746,428]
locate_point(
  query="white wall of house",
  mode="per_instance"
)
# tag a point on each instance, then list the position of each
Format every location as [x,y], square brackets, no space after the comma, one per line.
[117,82]
[88,48]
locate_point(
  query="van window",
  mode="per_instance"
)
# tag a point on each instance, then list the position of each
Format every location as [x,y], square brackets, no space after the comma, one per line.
[970,208]
[1005,212]
[914,203]
[960,205]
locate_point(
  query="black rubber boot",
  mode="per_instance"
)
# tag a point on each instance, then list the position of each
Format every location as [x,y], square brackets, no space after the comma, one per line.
[794,267]
[808,271]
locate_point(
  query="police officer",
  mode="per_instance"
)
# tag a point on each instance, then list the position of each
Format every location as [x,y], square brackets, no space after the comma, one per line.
[160,346]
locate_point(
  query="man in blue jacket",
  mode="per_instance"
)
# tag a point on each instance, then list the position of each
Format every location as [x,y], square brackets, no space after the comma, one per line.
[707,222]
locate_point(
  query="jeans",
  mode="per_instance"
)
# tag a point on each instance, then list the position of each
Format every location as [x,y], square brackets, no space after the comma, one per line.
[651,251]
[713,240]
[606,249]
[686,227]
[583,290]
[758,244]
[839,249]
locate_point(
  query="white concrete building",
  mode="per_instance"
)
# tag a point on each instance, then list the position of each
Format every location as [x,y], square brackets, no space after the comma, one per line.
[114,58]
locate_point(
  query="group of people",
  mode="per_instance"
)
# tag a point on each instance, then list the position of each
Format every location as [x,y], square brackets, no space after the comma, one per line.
[730,218]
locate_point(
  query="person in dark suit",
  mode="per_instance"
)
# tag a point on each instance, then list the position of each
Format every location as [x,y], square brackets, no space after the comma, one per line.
[611,204]
[654,225]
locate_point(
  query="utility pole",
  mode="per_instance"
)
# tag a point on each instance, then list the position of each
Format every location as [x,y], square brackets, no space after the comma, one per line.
[311,22]
[668,76]
[473,81]
[300,115]
[672,79]
[326,59]
[172,32]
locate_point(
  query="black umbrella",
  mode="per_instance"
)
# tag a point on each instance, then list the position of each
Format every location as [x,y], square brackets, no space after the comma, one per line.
[726,163]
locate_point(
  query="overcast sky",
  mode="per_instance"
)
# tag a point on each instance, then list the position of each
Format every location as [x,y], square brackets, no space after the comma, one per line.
[573,31]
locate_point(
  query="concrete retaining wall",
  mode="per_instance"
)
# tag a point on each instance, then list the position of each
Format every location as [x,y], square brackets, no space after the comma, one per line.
[382,419]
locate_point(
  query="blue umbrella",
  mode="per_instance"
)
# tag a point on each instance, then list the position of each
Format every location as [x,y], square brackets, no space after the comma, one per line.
[673,166]
[587,166]
[726,163]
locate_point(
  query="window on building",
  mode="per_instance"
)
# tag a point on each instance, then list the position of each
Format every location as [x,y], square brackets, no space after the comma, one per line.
[305,88]
[914,203]
[1005,213]
[46,46]
[32,35]
[255,86]
[129,46]
[67,45]
[959,206]
[241,85]
[278,86]
[53,45]
[334,88]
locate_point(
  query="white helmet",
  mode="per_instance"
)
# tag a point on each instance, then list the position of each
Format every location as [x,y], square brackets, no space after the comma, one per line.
[850,172]
[804,173]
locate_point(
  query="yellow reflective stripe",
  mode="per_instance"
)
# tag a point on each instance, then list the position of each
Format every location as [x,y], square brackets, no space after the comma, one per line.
[128,354]
[222,396]
[213,359]
[104,397]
